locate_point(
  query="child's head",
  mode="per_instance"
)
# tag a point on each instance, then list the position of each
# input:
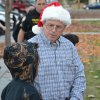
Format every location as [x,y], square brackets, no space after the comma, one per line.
[22,60]
[72,37]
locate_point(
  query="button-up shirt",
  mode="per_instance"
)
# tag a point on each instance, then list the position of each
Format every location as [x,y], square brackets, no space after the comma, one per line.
[60,71]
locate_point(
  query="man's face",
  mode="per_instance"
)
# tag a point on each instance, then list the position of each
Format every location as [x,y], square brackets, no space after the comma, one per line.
[40,4]
[53,29]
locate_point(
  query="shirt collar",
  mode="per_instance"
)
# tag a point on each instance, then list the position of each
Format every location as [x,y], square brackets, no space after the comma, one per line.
[47,41]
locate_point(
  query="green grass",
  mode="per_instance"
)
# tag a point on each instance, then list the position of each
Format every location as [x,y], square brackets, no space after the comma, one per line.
[95,42]
[86,26]
[97,23]
[93,70]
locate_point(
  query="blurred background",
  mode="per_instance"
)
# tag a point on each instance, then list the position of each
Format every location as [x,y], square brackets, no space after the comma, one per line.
[85,23]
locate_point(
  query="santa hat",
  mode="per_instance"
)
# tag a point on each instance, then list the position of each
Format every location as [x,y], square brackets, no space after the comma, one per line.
[52,11]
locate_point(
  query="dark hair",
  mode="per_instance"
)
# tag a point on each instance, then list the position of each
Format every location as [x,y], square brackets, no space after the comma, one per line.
[19,57]
[72,37]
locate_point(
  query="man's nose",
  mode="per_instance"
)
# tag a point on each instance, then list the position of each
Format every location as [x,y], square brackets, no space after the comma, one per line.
[54,29]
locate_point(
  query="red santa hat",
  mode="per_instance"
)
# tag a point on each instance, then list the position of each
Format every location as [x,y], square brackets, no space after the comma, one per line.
[52,11]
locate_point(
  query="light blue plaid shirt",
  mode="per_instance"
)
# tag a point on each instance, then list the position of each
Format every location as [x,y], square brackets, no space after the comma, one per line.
[60,73]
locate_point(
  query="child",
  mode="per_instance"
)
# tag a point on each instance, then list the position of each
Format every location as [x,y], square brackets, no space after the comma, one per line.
[72,37]
[22,61]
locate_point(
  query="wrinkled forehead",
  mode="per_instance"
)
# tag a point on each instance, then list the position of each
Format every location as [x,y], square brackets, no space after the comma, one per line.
[54,22]
[40,1]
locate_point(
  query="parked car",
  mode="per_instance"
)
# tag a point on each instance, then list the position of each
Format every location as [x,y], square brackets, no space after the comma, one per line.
[18,6]
[13,16]
[92,6]
[21,5]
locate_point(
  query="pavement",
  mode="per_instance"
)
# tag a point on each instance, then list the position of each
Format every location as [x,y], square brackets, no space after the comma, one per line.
[5,76]
[2,38]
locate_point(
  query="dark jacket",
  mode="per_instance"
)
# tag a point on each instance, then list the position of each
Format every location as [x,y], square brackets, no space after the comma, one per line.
[20,90]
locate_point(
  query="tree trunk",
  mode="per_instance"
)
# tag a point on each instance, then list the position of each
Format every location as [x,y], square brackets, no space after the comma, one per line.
[78,4]
[7,17]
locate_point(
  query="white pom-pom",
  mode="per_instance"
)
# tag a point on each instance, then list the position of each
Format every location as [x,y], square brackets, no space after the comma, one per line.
[36,29]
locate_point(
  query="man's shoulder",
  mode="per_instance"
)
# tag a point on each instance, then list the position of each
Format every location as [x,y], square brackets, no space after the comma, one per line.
[32,11]
[65,41]
[34,39]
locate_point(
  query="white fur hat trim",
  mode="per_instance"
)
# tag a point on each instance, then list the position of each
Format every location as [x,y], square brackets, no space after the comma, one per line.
[58,13]
[36,29]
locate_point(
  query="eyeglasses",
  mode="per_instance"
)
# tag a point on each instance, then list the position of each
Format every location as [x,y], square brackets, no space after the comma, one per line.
[41,4]
[51,27]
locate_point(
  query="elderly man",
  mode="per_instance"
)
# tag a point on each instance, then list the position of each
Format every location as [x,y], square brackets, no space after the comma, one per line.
[61,73]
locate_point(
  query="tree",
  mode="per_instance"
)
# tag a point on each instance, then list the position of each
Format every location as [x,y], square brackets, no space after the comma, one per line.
[84,1]
[8,6]
[78,3]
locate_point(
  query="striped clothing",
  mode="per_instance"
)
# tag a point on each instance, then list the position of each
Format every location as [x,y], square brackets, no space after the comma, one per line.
[60,73]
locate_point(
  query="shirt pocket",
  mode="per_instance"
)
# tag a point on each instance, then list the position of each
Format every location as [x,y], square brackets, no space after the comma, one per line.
[68,75]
